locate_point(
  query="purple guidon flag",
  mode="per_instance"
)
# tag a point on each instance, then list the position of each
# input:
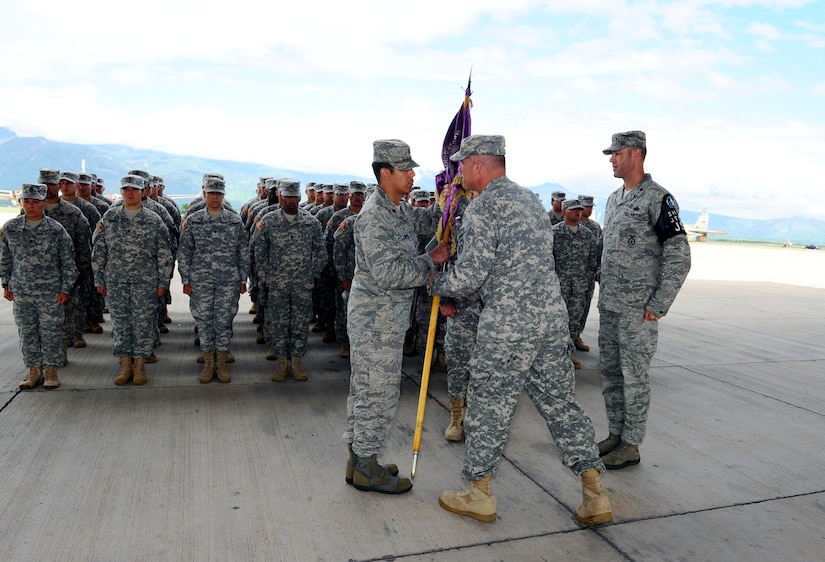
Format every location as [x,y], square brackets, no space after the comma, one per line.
[458,130]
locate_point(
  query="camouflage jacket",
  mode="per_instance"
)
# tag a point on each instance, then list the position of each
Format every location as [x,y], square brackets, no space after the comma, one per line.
[77,226]
[645,256]
[507,255]
[131,250]
[576,257]
[289,254]
[388,266]
[36,261]
[213,251]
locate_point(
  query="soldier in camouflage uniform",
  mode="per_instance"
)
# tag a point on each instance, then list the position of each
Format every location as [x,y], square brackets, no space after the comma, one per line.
[343,252]
[328,282]
[94,312]
[357,192]
[388,268]
[596,229]
[132,265]
[645,261]
[576,256]
[213,262]
[522,341]
[555,214]
[81,309]
[77,226]
[38,270]
[289,256]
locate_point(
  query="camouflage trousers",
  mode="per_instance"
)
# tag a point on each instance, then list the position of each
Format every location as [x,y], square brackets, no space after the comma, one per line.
[214,306]
[499,373]
[133,312]
[340,316]
[626,347]
[577,303]
[68,327]
[421,319]
[288,312]
[39,322]
[459,342]
[374,389]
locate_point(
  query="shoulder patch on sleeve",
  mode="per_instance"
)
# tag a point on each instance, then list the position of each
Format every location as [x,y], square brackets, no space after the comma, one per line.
[183,225]
[100,227]
[669,223]
[259,225]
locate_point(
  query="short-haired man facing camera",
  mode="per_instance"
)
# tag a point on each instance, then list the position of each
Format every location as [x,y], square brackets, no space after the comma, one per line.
[645,260]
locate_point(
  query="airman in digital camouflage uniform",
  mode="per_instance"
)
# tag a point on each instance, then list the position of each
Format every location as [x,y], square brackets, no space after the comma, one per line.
[38,270]
[645,261]
[388,268]
[77,226]
[290,254]
[132,265]
[523,338]
[596,229]
[576,256]
[213,263]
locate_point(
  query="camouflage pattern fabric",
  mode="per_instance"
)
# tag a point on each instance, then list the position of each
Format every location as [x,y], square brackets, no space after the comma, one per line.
[132,259]
[289,255]
[459,342]
[37,264]
[388,267]
[645,261]
[213,258]
[522,340]
[343,257]
[576,257]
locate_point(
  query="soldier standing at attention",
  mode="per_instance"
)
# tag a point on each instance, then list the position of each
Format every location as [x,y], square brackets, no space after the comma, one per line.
[645,261]
[132,265]
[289,255]
[576,257]
[213,262]
[77,226]
[38,269]
[388,267]
[596,229]
[523,337]
[555,213]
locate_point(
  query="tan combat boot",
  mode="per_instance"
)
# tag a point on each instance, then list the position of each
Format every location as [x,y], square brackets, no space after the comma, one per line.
[34,378]
[296,370]
[440,363]
[455,431]
[229,357]
[595,508]
[368,475]
[580,345]
[139,370]
[220,367]
[78,340]
[609,444]
[281,370]
[576,364]
[477,501]
[208,370]
[125,371]
[344,350]
[51,377]
[95,328]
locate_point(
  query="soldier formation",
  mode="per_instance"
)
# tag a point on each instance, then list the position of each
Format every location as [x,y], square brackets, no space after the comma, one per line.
[358,260]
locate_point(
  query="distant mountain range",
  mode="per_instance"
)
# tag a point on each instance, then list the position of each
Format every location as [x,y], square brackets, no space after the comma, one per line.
[22,157]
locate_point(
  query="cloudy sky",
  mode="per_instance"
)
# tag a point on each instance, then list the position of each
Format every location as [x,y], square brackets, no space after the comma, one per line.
[731,93]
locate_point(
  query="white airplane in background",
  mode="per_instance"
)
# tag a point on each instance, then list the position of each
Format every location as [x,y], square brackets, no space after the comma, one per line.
[13,196]
[699,230]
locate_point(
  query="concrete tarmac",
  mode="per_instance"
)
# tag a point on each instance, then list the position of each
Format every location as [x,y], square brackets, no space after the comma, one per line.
[254,470]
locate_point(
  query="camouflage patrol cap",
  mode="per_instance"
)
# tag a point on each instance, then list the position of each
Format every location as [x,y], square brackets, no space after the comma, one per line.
[133,180]
[70,177]
[480,145]
[394,152]
[98,181]
[571,204]
[219,176]
[290,188]
[214,185]
[587,200]
[340,189]
[629,139]
[140,173]
[85,179]
[420,195]
[329,188]
[356,186]
[33,191]
[271,183]
[49,176]
[557,196]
